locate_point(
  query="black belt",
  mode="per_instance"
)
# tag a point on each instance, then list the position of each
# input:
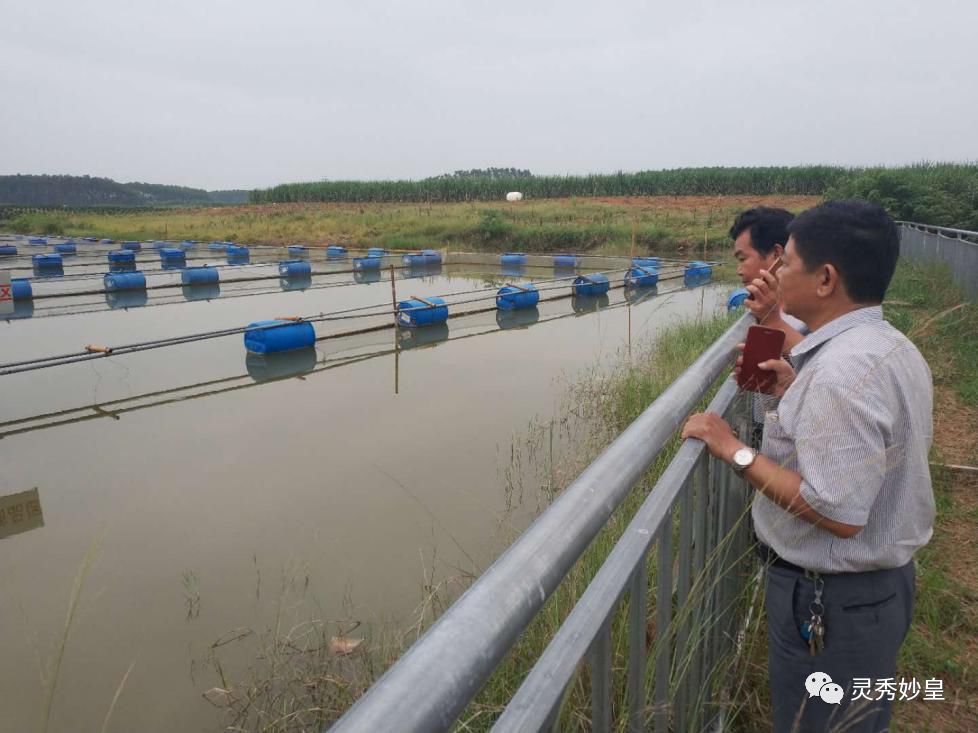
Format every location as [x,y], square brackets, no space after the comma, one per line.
[770,557]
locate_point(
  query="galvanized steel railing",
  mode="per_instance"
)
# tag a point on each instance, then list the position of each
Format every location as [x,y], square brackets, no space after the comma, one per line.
[957,247]
[692,516]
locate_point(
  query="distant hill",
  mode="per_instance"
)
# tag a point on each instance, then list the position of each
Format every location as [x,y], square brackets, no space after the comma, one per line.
[84,191]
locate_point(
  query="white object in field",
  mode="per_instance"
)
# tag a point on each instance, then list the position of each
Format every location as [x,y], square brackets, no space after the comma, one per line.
[514,196]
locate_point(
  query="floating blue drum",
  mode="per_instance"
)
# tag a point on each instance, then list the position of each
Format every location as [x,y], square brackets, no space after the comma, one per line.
[565,260]
[67,248]
[737,298]
[134,246]
[37,240]
[48,260]
[199,276]
[376,252]
[697,267]
[421,312]
[298,250]
[273,337]
[512,258]
[366,263]
[8,249]
[423,258]
[335,250]
[596,284]
[161,245]
[107,241]
[124,281]
[234,250]
[187,244]
[294,268]
[514,297]
[218,245]
[641,277]
[122,257]
[649,262]
[173,256]
[21,288]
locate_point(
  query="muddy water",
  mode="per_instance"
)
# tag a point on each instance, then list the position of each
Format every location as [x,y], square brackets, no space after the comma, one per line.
[205,473]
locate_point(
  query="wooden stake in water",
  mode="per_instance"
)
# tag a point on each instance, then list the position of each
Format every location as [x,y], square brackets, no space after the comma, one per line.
[633,239]
[397,347]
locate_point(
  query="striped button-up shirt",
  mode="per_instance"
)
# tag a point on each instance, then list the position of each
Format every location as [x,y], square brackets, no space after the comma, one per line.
[856,424]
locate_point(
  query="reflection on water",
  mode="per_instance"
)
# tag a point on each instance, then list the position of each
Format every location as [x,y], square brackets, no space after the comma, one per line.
[520,318]
[126,298]
[422,270]
[589,303]
[22,309]
[412,338]
[263,367]
[366,276]
[638,295]
[208,291]
[513,270]
[295,282]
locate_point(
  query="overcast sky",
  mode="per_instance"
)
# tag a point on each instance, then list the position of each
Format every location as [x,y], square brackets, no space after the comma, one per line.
[245,94]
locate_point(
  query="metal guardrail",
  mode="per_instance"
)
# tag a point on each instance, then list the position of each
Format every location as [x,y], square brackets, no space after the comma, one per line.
[431,684]
[957,247]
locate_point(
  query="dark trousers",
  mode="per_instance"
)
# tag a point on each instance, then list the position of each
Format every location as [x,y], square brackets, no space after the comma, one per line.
[867,615]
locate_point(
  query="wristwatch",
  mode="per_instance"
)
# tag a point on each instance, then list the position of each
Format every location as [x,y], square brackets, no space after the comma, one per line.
[743,459]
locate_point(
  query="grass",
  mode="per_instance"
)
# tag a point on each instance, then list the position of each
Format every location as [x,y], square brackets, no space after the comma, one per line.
[663,223]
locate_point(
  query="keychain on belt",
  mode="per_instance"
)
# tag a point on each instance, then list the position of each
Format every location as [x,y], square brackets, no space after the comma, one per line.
[813,630]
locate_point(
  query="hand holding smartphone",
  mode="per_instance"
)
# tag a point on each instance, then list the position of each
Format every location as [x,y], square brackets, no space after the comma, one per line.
[762,344]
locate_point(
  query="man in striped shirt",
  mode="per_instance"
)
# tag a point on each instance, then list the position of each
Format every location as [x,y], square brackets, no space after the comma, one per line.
[844,491]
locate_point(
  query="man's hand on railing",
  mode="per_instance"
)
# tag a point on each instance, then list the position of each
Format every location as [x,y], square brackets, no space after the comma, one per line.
[785,374]
[713,430]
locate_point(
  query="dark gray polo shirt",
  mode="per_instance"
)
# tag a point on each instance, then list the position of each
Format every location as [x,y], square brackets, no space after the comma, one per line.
[856,424]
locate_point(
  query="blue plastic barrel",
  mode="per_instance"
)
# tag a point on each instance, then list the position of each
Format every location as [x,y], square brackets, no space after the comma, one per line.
[431,256]
[234,250]
[298,250]
[512,258]
[218,245]
[122,256]
[649,262]
[641,277]
[47,260]
[565,260]
[134,246]
[414,312]
[376,252]
[335,250]
[737,298]
[37,240]
[596,284]
[514,297]
[172,254]
[366,263]
[696,267]
[199,276]
[124,281]
[273,337]
[107,241]
[21,288]
[293,268]
[8,249]
[66,248]
[187,244]
[159,244]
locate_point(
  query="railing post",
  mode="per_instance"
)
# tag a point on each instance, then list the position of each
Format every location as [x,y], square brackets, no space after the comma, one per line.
[663,620]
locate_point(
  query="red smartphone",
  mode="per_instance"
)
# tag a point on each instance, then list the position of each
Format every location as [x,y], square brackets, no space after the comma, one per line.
[763,343]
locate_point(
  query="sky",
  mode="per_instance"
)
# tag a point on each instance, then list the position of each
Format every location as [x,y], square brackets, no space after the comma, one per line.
[217,94]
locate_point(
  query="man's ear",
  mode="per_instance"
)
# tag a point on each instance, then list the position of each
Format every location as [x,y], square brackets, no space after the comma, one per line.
[778,250]
[829,280]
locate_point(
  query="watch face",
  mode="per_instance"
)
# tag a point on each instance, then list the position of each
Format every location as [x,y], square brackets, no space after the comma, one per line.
[743,457]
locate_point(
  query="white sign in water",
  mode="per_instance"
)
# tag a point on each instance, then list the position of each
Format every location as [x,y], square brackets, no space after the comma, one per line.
[20,512]
[6,293]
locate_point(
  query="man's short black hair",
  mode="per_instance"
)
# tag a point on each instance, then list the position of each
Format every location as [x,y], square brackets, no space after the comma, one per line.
[858,238]
[768,227]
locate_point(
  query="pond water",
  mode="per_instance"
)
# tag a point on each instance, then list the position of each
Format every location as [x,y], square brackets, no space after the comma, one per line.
[202,473]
